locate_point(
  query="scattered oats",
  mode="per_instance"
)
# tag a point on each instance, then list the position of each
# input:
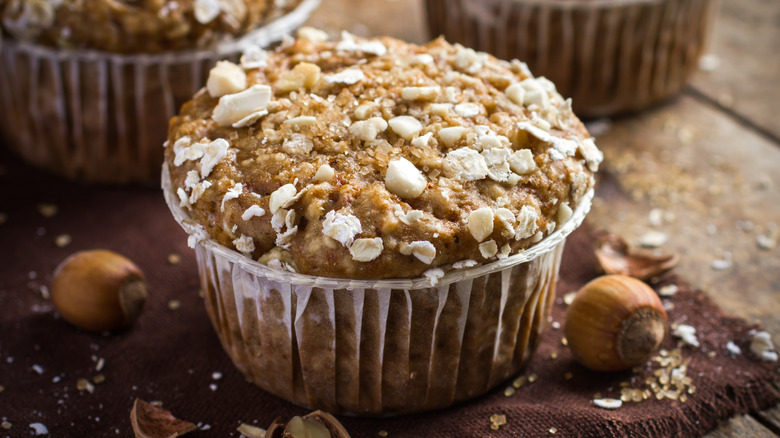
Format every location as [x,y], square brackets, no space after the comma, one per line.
[465,164]
[225,78]
[216,375]
[367,130]
[709,62]
[348,44]
[98,379]
[62,240]
[404,179]
[554,355]
[347,76]
[423,250]
[39,429]
[765,242]
[100,364]
[253,57]
[515,93]
[733,348]
[422,141]
[421,59]
[687,333]
[608,403]
[552,431]
[462,264]
[301,121]
[382,433]
[250,431]
[206,11]
[434,275]
[246,244]
[569,298]
[38,369]
[656,217]
[532,378]
[282,197]
[721,264]
[712,354]
[174,259]
[366,249]
[526,222]
[762,344]
[488,249]
[519,382]
[6,425]
[564,341]
[213,387]
[232,193]
[653,239]
[497,420]
[47,210]
[85,385]
[668,290]
[555,325]
[509,391]
[297,144]
[212,154]
[341,227]
[174,304]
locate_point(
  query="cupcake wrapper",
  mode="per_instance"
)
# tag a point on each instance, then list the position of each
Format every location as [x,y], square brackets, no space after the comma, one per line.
[610,56]
[101,117]
[380,347]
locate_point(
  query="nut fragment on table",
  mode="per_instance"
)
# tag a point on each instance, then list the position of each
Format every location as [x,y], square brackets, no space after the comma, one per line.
[98,290]
[615,257]
[149,421]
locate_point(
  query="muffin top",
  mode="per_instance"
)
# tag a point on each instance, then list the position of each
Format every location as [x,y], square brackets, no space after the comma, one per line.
[135,26]
[374,158]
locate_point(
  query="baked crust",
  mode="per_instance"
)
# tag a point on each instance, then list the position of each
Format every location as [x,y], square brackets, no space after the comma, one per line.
[471,195]
[135,26]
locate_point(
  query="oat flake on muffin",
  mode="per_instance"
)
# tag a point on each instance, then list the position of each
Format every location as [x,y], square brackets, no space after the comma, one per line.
[374,158]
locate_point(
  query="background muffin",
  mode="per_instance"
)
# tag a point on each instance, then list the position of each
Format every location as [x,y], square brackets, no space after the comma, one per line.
[610,56]
[407,206]
[88,86]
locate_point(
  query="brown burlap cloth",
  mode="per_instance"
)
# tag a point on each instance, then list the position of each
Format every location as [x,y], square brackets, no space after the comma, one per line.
[173,355]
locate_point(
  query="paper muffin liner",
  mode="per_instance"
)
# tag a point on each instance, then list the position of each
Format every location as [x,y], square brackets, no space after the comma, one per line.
[101,117]
[609,56]
[378,347]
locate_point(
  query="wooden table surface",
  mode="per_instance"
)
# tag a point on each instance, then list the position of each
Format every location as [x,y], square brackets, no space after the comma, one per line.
[707,161]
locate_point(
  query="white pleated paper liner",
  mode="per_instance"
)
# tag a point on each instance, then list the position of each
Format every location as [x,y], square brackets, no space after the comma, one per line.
[101,117]
[609,56]
[379,347]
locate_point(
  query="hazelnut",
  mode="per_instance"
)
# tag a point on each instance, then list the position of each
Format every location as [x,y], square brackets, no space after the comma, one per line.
[98,290]
[614,323]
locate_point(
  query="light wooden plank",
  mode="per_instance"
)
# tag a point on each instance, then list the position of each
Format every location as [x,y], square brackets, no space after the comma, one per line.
[745,41]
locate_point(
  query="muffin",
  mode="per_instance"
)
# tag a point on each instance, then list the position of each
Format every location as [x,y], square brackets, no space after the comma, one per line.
[88,86]
[610,56]
[364,199]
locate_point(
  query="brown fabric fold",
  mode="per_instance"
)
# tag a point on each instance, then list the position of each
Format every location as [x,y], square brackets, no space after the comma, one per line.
[172,355]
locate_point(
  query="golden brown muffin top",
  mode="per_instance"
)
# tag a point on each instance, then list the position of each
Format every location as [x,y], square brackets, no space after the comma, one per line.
[135,26]
[374,158]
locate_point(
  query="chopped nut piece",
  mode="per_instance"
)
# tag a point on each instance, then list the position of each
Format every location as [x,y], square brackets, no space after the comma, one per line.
[149,421]
[488,249]
[404,179]
[450,135]
[250,431]
[480,223]
[347,76]
[303,75]
[762,344]
[420,93]
[615,257]
[564,213]
[367,130]
[312,34]
[522,161]
[225,78]
[497,420]
[341,227]
[232,108]
[405,126]
[324,173]
[465,164]
[687,333]
[468,109]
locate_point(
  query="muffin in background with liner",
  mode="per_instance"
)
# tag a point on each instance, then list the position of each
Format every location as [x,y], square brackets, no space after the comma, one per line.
[87,87]
[610,56]
[378,225]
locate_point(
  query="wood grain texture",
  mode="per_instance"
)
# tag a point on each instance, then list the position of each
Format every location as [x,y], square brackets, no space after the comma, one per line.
[745,81]
[741,427]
